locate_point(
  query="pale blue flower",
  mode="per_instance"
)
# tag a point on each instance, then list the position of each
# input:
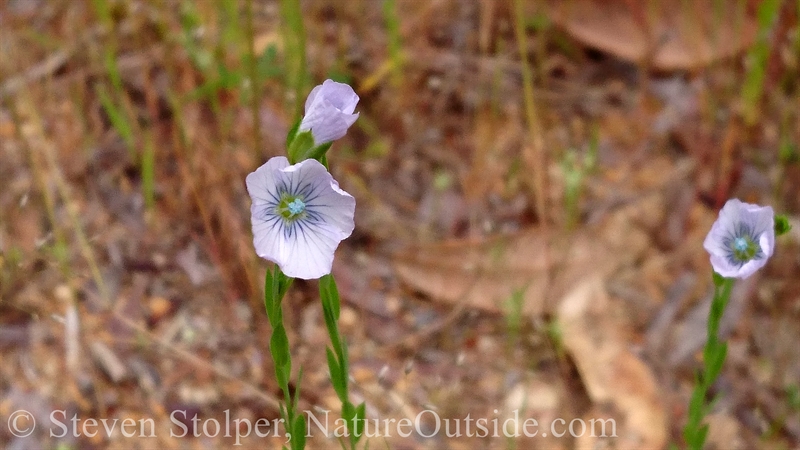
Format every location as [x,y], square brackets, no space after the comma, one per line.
[329,111]
[299,216]
[742,239]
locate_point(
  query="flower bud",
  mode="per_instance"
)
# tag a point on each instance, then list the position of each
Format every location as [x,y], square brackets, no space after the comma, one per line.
[329,111]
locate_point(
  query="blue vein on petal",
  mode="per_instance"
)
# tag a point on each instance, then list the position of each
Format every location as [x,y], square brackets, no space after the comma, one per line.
[741,229]
[292,229]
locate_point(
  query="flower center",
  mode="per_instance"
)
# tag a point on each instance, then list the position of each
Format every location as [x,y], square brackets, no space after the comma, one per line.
[291,207]
[296,206]
[744,248]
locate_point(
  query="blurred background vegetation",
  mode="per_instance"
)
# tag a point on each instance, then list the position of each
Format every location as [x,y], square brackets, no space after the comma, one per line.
[533,179]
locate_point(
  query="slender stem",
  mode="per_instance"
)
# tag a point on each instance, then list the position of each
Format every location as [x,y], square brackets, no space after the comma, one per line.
[722,293]
[714,354]
[338,363]
[275,286]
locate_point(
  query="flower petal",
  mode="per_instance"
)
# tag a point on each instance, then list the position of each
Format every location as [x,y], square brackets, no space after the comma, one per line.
[262,185]
[324,199]
[340,95]
[713,242]
[336,208]
[309,253]
[268,238]
[311,97]
[764,227]
[767,239]
[327,123]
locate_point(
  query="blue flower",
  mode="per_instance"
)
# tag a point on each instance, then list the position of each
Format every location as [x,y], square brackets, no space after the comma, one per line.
[742,239]
[299,216]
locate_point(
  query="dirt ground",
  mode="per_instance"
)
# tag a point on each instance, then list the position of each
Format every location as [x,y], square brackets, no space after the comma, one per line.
[529,221]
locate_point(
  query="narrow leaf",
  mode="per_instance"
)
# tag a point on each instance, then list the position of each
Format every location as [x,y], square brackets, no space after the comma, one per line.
[299,432]
[333,367]
[279,346]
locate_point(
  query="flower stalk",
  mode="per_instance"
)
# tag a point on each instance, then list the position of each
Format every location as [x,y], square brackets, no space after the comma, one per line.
[338,361]
[275,286]
[740,242]
[714,354]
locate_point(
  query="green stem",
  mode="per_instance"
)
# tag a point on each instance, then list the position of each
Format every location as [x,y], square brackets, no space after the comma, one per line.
[275,286]
[722,293]
[714,354]
[338,360]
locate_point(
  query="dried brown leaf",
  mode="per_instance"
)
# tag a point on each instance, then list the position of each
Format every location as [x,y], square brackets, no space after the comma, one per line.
[542,265]
[670,35]
[610,372]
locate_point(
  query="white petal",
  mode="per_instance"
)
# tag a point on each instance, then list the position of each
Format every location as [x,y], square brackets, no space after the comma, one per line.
[327,201]
[340,95]
[751,267]
[336,208]
[267,238]
[311,97]
[332,128]
[327,123]
[722,228]
[309,254]
[731,211]
[767,243]
[261,184]
[722,266]
[764,224]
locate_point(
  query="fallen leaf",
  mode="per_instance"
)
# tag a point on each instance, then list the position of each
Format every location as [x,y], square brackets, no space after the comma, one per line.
[669,35]
[486,273]
[609,371]
[538,266]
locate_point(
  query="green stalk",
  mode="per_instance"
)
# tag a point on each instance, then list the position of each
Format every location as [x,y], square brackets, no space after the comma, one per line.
[275,286]
[714,354]
[338,360]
